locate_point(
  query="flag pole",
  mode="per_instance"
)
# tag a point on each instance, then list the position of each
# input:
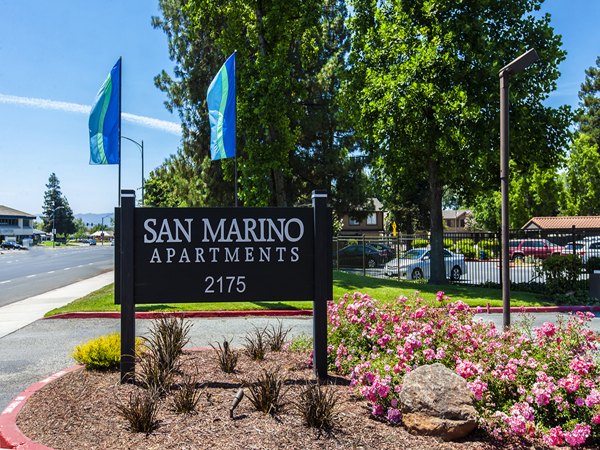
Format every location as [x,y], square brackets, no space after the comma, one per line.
[235,167]
[120,89]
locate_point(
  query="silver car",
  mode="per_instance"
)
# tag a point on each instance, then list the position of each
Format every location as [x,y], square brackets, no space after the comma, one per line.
[584,248]
[416,264]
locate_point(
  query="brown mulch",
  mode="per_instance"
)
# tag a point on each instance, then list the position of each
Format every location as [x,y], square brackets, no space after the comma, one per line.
[79,411]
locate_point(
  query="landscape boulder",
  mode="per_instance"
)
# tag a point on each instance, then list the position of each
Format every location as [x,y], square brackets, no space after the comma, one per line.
[435,401]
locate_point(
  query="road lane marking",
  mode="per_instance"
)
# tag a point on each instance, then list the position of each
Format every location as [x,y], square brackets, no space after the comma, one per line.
[67,268]
[30,276]
[4,282]
[52,271]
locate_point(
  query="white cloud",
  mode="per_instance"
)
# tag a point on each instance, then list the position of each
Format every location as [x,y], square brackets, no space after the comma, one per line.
[42,103]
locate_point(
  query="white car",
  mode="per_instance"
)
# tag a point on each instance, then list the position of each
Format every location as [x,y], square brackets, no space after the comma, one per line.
[584,248]
[415,264]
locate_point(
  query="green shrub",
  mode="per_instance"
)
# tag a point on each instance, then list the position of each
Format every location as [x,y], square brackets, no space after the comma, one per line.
[101,353]
[419,243]
[448,243]
[561,272]
[593,264]
[467,248]
[490,247]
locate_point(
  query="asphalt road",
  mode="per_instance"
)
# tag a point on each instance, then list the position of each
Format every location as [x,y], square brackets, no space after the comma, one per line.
[26,273]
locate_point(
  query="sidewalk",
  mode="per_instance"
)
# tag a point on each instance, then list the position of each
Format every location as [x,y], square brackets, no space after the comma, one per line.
[22,313]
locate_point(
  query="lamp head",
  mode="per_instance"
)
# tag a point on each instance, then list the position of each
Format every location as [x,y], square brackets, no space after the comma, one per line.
[520,63]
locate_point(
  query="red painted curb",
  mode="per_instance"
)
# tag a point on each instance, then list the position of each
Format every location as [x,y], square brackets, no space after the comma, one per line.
[10,435]
[186,314]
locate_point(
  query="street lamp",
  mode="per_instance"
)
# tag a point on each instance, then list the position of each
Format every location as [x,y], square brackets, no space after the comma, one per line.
[514,67]
[102,228]
[141,147]
[53,227]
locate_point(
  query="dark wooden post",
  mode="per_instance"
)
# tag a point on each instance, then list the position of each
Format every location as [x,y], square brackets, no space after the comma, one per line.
[322,279]
[126,285]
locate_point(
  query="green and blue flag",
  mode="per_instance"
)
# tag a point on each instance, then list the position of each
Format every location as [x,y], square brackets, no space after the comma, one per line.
[221,102]
[105,120]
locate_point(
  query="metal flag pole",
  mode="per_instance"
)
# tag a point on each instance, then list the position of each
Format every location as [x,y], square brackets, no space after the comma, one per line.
[120,71]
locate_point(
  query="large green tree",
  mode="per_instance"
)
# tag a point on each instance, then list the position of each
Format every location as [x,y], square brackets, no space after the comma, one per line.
[291,133]
[582,176]
[56,210]
[425,81]
[588,114]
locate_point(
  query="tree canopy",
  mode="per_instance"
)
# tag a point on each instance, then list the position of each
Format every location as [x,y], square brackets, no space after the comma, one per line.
[56,210]
[292,137]
[425,84]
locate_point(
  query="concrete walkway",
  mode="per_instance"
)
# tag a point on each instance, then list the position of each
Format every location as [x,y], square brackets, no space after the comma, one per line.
[17,315]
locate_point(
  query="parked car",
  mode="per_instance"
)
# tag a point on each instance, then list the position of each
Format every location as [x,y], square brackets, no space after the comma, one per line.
[356,255]
[585,249]
[536,248]
[11,245]
[416,264]
[92,241]
[388,251]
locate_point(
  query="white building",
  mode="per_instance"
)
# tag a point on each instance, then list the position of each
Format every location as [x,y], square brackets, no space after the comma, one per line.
[15,225]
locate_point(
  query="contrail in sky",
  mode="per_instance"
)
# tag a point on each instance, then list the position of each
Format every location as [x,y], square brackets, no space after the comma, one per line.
[42,103]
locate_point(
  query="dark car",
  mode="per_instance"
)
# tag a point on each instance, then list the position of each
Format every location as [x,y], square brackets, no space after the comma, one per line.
[10,245]
[359,255]
[388,251]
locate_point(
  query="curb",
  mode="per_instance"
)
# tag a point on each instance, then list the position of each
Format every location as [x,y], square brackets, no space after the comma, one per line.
[10,435]
[302,312]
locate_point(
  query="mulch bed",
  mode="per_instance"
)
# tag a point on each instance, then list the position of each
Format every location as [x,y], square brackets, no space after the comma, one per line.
[79,411]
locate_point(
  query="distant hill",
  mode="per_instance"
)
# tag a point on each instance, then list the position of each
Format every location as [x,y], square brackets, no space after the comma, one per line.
[96,219]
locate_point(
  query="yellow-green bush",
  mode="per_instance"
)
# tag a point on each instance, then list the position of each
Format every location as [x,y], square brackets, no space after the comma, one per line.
[101,353]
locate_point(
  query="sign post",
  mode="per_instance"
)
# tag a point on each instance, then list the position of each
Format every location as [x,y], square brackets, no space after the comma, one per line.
[188,255]
[322,266]
[126,285]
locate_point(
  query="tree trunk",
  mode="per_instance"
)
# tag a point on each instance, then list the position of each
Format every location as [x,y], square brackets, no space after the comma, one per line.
[438,272]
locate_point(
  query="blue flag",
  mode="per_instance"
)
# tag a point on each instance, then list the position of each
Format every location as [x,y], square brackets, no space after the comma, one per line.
[105,120]
[221,111]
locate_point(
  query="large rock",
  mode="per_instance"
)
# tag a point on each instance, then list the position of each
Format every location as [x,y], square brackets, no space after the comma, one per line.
[435,401]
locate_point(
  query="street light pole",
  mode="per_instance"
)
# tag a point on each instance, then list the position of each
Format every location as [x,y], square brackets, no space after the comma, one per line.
[514,67]
[53,223]
[102,230]
[141,147]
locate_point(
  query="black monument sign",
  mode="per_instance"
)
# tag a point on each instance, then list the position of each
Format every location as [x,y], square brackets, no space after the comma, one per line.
[176,255]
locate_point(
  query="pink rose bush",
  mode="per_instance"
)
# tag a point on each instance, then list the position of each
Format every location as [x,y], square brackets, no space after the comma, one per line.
[527,382]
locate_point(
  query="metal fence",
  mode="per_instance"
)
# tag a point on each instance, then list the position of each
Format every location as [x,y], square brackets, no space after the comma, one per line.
[471,258]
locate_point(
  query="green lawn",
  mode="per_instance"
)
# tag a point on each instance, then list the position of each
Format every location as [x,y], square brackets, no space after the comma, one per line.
[381,289]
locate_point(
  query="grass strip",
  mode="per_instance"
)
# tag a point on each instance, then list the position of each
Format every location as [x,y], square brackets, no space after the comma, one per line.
[386,290]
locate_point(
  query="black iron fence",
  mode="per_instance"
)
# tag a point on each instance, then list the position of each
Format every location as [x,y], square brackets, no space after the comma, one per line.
[470,257]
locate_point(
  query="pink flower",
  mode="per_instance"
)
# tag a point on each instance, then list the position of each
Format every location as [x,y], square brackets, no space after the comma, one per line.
[394,415]
[555,437]
[478,387]
[579,435]
[571,383]
[581,365]
[593,398]
[547,329]
[377,410]
[439,296]
[596,420]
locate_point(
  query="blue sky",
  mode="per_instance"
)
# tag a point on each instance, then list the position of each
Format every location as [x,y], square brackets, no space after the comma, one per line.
[54,55]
